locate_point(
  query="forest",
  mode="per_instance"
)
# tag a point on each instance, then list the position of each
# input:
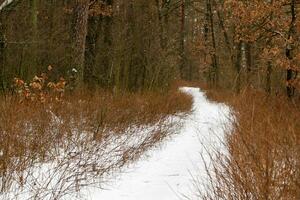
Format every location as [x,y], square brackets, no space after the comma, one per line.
[89,87]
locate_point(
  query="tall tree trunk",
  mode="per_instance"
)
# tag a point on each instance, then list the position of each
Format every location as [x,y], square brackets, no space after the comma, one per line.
[268,77]
[289,49]
[206,41]
[94,26]
[107,42]
[238,68]
[2,45]
[161,24]
[224,31]
[79,33]
[99,26]
[182,40]
[269,63]
[214,71]
[33,47]
[166,8]
[188,37]
[246,59]
[126,75]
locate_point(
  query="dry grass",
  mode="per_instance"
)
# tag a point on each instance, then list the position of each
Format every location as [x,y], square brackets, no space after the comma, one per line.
[263,161]
[85,136]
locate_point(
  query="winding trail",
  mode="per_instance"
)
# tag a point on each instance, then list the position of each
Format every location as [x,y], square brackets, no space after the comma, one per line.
[166,174]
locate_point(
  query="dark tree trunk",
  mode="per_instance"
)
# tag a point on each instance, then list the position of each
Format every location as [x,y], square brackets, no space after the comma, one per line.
[79,33]
[225,34]
[268,78]
[182,38]
[33,67]
[107,42]
[289,49]
[214,71]
[248,60]
[222,26]
[238,68]
[289,75]
[94,24]
[2,45]
[162,36]
[269,64]
[99,27]
[166,7]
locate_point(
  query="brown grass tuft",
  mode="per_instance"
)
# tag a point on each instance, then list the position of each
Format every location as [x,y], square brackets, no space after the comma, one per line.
[264,149]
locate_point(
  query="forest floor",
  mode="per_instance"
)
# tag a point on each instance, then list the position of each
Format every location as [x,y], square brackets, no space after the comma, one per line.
[51,149]
[169,171]
[263,148]
[133,146]
[157,155]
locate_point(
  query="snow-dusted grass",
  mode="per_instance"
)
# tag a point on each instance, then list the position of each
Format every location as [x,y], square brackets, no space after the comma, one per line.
[83,164]
[263,147]
[117,167]
[167,172]
[52,151]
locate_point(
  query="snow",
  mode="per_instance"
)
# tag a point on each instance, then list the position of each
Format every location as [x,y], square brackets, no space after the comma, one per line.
[76,164]
[165,172]
[5,3]
[80,159]
[168,172]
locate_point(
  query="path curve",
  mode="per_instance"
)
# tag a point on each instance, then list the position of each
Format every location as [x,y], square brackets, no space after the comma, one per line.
[167,173]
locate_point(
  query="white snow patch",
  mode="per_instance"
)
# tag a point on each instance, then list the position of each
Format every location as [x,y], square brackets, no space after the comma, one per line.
[167,172]
[5,3]
[80,162]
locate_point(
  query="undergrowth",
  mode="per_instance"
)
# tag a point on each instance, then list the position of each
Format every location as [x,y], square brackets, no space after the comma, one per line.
[263,158]
[87,133]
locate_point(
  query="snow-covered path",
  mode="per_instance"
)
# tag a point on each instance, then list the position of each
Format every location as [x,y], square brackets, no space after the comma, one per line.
[166,174]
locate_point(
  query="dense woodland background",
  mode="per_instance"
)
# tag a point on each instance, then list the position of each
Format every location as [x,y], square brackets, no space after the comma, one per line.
[146,44]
